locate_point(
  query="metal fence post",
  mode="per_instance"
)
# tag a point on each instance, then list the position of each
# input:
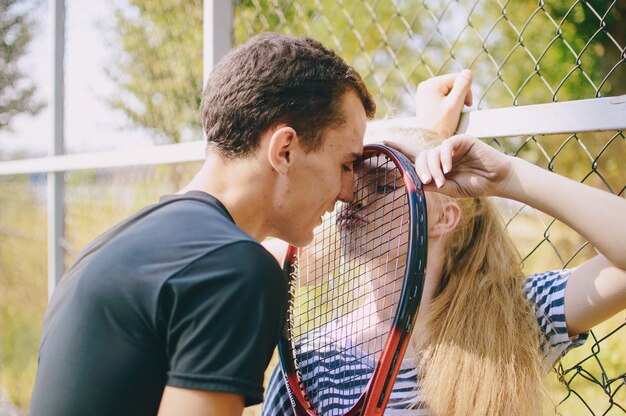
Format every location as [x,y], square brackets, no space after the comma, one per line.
[55,200]
[217,32]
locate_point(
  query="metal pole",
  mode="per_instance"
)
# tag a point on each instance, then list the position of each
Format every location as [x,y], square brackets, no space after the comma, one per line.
[217,33]
[56,207]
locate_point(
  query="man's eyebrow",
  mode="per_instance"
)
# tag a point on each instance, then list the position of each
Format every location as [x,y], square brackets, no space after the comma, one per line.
[356,157]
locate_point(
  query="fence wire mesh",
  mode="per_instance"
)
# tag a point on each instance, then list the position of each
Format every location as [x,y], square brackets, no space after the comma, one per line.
[590,380]
[521,52]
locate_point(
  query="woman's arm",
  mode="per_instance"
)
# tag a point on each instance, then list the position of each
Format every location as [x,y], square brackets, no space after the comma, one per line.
[596,289]
[597,215]
[463,166]
[440,100]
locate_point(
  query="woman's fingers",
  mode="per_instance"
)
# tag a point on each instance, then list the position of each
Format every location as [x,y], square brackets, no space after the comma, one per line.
[432,165]
[447,149]
[439,101]
[420,159]
[461,92]
[441,84]
[421,167]
[433,158]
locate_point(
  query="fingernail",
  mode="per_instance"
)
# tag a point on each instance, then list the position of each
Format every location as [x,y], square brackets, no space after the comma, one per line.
[446,168]
[425,178]
[438,182]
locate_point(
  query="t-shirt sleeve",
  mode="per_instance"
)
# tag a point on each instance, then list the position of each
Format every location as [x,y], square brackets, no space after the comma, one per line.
[277,401]
[221,319]
[547,292]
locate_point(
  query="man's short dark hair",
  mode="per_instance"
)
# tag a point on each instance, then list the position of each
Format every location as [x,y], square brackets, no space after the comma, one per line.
[276,79]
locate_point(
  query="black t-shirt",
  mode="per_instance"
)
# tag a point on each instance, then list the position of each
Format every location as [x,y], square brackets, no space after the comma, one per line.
[176,295]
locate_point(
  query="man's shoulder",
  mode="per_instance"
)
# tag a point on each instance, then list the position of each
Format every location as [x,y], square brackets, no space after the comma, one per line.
[195,222]
[191,205]
[244,262]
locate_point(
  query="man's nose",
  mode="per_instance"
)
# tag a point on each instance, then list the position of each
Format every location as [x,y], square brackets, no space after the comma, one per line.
[360,195]
[346,195]
[347,189]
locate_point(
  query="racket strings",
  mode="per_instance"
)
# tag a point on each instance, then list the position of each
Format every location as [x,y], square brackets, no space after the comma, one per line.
[345,289]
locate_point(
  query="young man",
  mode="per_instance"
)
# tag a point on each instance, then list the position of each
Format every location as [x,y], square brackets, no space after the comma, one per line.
[177,309]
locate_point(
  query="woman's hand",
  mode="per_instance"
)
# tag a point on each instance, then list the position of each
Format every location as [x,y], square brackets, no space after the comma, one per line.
[461,166]
[439,101]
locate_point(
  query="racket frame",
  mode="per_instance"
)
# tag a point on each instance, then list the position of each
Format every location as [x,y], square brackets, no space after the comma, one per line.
[374,399]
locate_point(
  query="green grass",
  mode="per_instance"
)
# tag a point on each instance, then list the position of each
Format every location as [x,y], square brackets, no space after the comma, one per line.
[23,288]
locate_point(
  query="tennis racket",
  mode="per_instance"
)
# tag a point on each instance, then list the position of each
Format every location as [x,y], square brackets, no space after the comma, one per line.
[355,291]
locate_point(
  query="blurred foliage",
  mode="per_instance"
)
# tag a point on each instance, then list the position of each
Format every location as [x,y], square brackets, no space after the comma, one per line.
[587,380]
[158,66]
[538,52]
[23,286]
[522,52]
[17,93]
[594,158]
[95,201]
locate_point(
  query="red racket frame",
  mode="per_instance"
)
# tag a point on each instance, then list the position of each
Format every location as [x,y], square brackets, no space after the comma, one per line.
[374,399]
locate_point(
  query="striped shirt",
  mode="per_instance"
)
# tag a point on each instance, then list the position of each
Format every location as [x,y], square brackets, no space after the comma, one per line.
[350,367]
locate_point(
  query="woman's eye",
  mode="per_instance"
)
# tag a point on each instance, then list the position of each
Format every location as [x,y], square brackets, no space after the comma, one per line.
[386,188]
[347,168]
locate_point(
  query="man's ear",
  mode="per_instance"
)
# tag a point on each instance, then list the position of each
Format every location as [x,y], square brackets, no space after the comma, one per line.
[446,219]
[281,143]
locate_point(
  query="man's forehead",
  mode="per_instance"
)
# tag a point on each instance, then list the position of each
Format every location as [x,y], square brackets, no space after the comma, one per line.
[355,155]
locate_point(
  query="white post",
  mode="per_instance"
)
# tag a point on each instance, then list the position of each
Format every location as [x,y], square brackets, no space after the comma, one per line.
[56,207]
[217,33]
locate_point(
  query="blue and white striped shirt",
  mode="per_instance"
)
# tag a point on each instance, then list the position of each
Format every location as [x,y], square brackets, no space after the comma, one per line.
[545,290]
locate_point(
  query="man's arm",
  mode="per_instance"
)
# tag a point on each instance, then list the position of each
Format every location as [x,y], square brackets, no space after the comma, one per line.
[177,401]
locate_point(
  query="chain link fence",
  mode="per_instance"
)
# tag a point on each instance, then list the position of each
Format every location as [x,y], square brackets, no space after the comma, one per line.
[521,52]
[590,380]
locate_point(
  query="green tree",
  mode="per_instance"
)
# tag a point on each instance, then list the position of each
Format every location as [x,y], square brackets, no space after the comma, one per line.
[554,51]
[158,66]
[522,52]
[374,37]
[17,94]
[559,51]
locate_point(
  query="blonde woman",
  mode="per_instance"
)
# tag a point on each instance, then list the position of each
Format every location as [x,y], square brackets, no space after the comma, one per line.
[486,334]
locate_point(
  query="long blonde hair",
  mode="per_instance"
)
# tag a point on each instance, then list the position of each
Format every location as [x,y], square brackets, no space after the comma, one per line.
[481,351]
[482,354]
